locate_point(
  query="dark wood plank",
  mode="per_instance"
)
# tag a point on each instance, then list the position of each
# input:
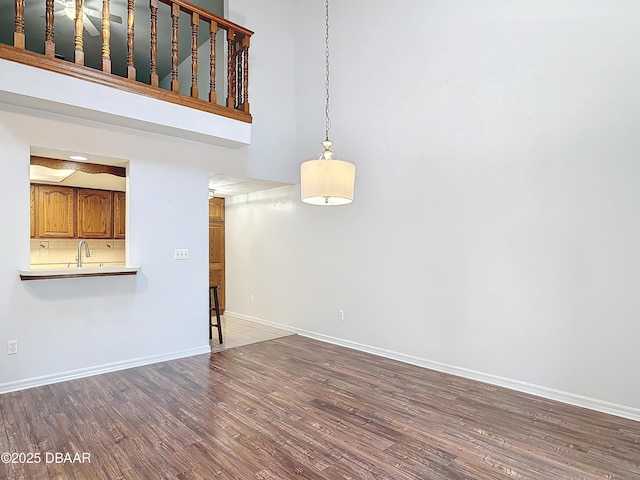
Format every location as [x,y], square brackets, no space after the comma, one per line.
[298,408]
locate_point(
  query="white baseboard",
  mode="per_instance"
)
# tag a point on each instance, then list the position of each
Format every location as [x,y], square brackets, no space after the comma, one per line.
[96,370]
[544,392]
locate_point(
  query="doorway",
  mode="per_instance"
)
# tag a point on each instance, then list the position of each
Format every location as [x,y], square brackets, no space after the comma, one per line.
[236,331]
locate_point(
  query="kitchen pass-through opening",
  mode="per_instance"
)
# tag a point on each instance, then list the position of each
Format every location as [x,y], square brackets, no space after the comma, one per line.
[78,212]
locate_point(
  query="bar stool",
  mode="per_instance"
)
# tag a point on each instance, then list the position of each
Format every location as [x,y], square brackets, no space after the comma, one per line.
[216,306]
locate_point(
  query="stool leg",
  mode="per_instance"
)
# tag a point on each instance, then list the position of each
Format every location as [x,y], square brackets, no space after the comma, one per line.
[210,336]
[215,298]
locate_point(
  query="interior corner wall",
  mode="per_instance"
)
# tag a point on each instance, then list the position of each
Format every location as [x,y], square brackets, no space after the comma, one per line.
[496,219]
[272,87]
[66,326]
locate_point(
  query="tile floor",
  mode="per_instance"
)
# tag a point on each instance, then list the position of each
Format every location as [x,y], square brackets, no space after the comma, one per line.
[237,332]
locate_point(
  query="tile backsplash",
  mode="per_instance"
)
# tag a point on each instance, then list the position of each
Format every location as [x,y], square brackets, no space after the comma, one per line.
[59,253]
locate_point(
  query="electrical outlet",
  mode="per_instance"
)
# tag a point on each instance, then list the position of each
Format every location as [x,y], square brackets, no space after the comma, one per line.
[181,254]
[340,314]
[12,347]
[251,298]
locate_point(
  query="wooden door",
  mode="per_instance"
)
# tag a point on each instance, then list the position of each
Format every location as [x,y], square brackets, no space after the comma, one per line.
[216,210]
[95,217]
[216,248]
[56,212]
[119,214]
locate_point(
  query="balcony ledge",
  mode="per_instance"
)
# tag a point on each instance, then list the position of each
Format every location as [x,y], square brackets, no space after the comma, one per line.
[39,89]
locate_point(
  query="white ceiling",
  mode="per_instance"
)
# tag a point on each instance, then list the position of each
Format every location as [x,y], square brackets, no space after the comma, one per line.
[223,185]
[101,181]
[228,186]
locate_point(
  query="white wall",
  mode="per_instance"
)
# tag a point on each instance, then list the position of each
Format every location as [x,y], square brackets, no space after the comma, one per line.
[73,324]
[272,87]
[496,222]
[496,218]
[72,327]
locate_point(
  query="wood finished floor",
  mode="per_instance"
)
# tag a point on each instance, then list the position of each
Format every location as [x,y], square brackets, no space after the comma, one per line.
[298,408]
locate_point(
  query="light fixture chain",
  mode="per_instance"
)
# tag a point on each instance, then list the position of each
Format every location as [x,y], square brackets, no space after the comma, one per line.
[326,63]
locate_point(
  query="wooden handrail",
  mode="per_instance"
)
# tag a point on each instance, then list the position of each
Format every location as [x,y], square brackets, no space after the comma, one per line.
[49,45]
[223,23]
[106,36]
[18,30]
[175,15]
[79,31]
[213,30]
[195,20]
[237,58]
[154,43]
[131,69]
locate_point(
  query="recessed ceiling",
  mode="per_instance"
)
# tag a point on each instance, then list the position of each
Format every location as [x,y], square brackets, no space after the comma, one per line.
[73,178]
[38,173]
[228,186]
[65,155]
[223,185]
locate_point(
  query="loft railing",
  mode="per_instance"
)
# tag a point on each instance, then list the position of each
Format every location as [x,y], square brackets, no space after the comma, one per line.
[234,104]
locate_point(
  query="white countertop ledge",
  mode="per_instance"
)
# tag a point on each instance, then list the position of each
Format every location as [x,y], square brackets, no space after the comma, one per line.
[75,272]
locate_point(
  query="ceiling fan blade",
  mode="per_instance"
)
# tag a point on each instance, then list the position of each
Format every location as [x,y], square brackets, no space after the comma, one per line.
[91,29]
[97,14]
[92,13]
[66,12]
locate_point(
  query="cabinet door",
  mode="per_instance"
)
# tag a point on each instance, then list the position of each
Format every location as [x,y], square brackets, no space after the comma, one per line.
[33,225]
[95,217]
[119,214]
[56,212]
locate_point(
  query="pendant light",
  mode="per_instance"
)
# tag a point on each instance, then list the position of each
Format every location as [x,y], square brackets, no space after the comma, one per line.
[327,180]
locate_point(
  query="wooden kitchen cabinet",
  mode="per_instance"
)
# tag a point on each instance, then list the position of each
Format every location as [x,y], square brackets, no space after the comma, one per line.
[119,214]
[33,227]
[95,213]
[56,211]
[71,212]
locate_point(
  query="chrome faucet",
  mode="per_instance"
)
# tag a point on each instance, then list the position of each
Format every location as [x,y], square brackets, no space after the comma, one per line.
[86,250]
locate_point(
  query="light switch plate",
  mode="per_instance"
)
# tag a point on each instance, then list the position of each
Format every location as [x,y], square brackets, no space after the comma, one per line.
[181,254]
